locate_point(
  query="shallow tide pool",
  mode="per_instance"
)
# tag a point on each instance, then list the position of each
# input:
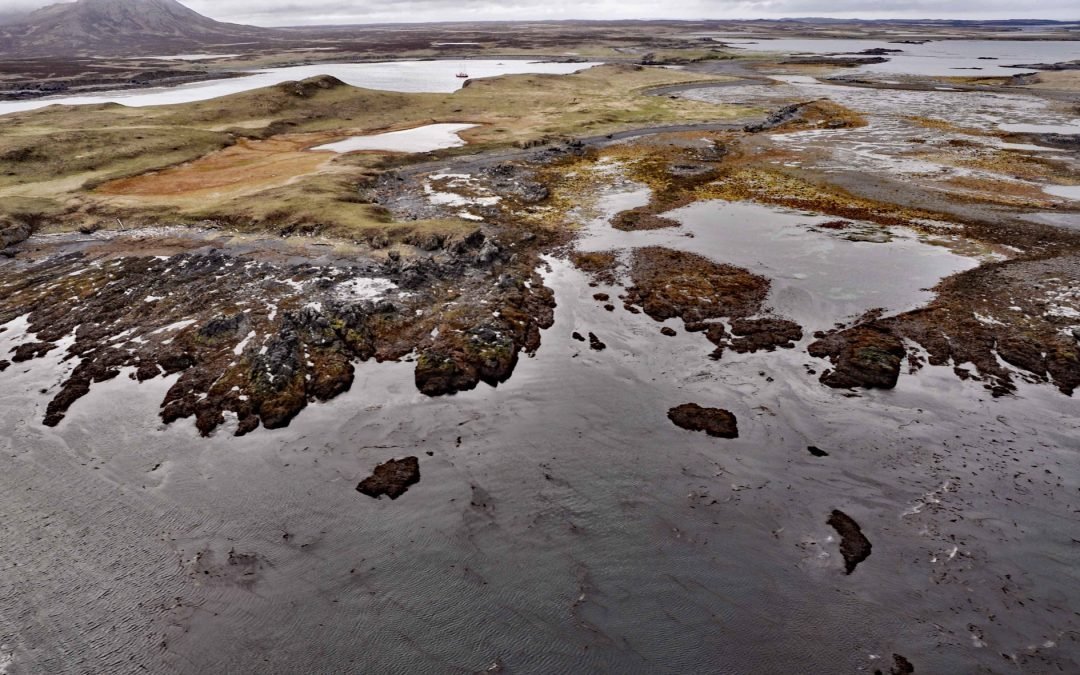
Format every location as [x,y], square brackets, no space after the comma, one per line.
[936,57]
[819,276]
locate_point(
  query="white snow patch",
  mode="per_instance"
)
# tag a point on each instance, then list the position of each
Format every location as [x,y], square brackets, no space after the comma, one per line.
[239,348]
[175,326]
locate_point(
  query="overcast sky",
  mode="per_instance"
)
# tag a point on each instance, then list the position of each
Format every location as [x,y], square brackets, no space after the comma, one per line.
[298,12]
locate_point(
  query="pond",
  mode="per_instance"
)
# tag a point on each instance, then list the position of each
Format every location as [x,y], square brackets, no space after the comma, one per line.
[421,139]
[938,57]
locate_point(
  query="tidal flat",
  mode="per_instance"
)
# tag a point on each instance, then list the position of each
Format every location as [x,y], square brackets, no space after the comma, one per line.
[721,364]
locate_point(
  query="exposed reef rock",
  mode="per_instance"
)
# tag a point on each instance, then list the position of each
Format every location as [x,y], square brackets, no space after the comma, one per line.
[713,421]
[867,356]
[1061,65]
[676,284]
[14,232]
[260,339]
[764,334]
[1007,319]
[854,545]
[600,266]
[392,478]
[31,350]
[838,61]
[641,219]
[669,284]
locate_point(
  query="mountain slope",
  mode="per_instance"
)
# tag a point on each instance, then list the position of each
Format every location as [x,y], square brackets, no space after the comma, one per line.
[118,26]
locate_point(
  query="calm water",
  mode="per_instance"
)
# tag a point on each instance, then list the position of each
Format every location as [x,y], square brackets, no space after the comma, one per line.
[942,57]
[819,277]
[403,76]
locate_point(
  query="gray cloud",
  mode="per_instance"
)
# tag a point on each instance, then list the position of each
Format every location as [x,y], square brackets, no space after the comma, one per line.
[297,12]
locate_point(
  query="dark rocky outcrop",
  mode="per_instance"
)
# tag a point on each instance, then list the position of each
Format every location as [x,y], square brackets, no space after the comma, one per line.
[1015,314]
[867,356]
[854,545]
[641,218]
[31,350]
[261,339]
[669,284]
[764,334]
[838,61]
[392,478]
[14,232]
[1059,66]
[819,114]
[713,421]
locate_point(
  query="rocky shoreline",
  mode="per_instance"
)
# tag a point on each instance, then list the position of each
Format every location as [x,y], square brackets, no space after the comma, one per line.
[259,339]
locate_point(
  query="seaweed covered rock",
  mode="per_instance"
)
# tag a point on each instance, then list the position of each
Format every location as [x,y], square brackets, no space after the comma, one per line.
[867,356]
[392,478]
[483,354]
[669,283]
[713,421]
[764,334]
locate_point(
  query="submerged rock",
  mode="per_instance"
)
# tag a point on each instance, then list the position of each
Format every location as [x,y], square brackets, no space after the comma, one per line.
[713,421]
[854,545]
[392,478]
[901,666]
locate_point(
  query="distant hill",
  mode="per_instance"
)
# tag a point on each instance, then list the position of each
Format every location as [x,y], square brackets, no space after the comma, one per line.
[118,27]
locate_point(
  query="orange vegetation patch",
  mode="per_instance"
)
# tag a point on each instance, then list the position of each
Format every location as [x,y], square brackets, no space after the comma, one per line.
[245,168]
